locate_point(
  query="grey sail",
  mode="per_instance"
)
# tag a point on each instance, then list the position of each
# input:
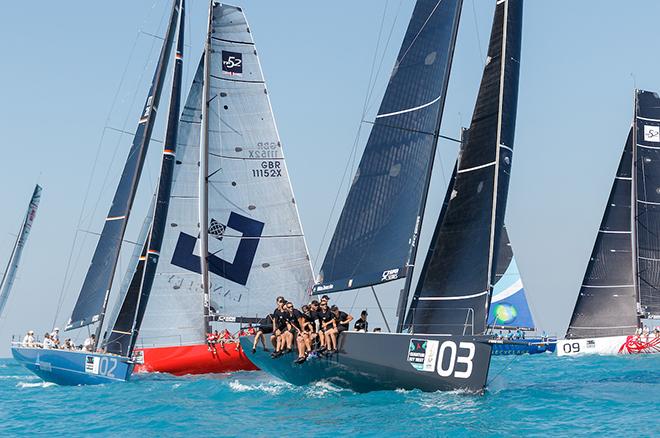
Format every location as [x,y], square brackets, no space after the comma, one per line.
[175,315]
[376,235]
[606,304]
[93,297]
[12,266]
[647,184]
[453,294]
[256,246]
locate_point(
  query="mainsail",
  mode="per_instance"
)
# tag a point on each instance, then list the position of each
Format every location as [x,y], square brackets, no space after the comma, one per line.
[607,303]
[647,185]
[10,273]
[377,232]
[508,305]
[256,247]
[125,328]
[453,293]
[93,297]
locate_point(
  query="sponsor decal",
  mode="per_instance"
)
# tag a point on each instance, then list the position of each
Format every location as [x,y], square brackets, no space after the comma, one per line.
[423,354]
[321,288]
[640,344]
[237,271]
[505,313]
[232,63]
[92,364]
[591,343]
[389,275]
[652,133]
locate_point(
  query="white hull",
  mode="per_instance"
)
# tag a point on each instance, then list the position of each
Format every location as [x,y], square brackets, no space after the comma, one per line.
[611,345]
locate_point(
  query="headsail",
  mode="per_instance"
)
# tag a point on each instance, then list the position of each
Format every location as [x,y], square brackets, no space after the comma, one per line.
[453,294]
[606,305]
[647,183]
[508,306]
[10,273]
[125,329]
[93,297]
[175,315]
[377,232]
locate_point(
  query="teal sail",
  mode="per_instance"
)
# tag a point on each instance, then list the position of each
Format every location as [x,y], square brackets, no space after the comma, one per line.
[508,307]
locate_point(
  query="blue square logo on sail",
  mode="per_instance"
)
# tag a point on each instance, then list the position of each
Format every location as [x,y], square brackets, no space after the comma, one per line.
[232,63]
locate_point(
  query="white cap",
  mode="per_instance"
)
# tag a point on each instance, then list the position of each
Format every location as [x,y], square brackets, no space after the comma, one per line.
[56,329]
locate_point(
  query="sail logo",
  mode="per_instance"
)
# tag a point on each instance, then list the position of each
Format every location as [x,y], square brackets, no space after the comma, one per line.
[652,133]
[389,275]
[237,270]
[232,63]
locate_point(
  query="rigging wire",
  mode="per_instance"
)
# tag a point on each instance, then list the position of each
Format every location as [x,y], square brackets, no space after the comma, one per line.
[68,276]
[476,31]
[351,159]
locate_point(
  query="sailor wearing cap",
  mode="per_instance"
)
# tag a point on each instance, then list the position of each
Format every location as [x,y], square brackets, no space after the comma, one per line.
[361,325]
[28,340]
[55,336]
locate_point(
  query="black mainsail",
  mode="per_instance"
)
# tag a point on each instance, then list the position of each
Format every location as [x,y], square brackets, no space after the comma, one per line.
[124,331]
[647,187]
[606,305]
[453,293]
[93,297]
[376,236]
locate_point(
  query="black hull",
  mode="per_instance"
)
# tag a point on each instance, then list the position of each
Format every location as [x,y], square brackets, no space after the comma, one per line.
[386,361]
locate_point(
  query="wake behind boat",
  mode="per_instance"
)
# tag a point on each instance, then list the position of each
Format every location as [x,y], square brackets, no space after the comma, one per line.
[620,289]
[113,362]
[441,342]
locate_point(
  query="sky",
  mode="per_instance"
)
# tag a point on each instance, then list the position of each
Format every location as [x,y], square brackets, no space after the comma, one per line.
[76,73]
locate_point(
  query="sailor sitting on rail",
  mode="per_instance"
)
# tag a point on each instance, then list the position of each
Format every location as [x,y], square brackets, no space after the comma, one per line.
[48,342]
[28,340]
[88,345]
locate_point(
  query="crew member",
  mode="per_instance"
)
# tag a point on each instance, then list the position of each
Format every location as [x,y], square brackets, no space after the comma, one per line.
[361,325]
[88,345]
[28,340]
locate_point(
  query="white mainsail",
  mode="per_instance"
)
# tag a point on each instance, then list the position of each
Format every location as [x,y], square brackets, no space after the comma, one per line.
[255,241]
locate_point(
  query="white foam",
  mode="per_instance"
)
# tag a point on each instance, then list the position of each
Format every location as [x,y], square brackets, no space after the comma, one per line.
[34,384]
[271,387]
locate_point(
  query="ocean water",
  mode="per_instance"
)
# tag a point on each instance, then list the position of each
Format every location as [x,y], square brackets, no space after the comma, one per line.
[527,396]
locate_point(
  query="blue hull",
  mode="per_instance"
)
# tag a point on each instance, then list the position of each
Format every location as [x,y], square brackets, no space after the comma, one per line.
[65,367]
[503,347]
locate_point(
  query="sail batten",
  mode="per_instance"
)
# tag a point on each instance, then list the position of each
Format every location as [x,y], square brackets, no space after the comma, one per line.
[376,236]
[93,298]
[461,271]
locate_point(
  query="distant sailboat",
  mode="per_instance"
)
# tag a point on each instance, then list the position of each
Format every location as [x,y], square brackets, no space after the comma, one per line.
[440,342]
[253,237]
[621,285]
[12,266]
[73,367]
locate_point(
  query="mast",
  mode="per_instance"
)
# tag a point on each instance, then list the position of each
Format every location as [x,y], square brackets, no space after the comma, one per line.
[204,170]
[127,325]
[93,298]
[633,211]
[12,266]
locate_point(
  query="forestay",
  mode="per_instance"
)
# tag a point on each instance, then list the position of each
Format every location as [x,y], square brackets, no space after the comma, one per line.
[647,137]
[453,293]
[379,224]
[606,305]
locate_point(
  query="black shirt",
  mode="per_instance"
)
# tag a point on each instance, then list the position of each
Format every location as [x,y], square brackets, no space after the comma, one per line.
[292,318]
[361,324]
[280,318]
[325,317]
[309,319]
[342,317]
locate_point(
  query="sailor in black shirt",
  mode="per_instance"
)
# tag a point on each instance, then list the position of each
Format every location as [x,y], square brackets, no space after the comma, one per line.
[279,327]
[361,325]
[265,326]
[340,323]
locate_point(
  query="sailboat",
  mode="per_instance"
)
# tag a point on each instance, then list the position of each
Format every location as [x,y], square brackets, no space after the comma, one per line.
[509,309]
[621,285]
[113,362]
[440,341]
[254,240]
[9,275]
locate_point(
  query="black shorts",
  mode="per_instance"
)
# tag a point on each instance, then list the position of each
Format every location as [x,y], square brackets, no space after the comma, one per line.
[341,328]
[266,330]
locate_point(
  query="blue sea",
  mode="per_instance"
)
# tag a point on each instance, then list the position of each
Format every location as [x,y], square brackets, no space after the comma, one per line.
[527,396]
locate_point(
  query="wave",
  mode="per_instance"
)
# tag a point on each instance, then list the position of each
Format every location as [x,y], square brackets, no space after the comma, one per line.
[270,387]
[23,385]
